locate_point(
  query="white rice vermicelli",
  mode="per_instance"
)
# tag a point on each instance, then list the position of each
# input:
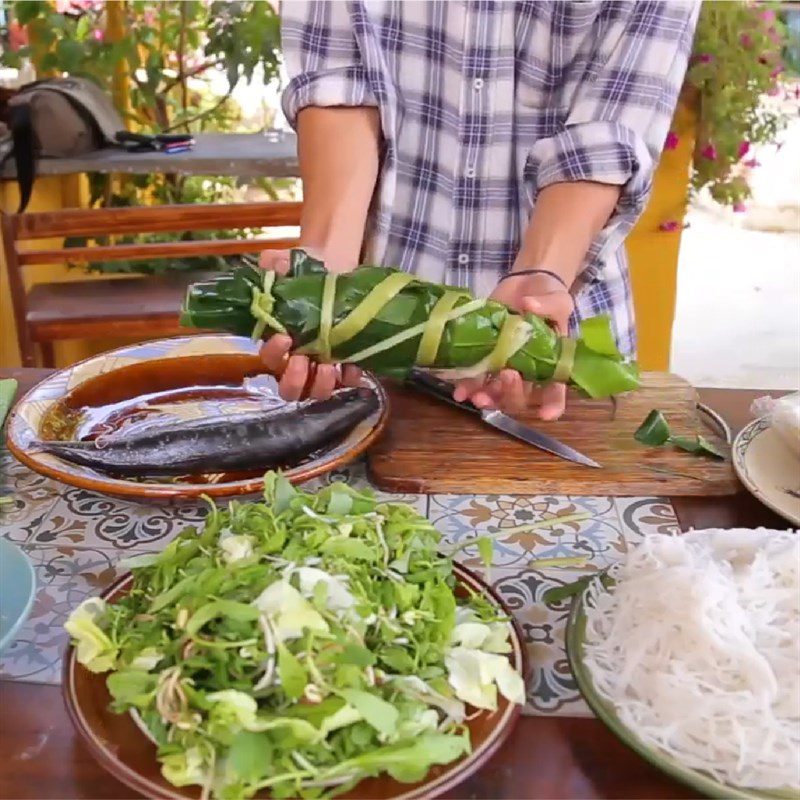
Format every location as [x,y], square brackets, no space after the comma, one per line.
[697,646]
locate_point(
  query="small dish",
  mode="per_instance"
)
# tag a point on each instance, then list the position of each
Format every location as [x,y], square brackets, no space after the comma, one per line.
[768,469]
[17,591]
[190,375]
[120,746]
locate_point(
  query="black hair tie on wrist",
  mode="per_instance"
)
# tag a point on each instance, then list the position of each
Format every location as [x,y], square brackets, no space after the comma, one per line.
[536,272]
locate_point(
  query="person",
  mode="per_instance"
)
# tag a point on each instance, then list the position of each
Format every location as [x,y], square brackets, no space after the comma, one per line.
[508,147]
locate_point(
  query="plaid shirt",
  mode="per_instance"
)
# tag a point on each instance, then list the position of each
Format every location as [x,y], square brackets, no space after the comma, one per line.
[482,105]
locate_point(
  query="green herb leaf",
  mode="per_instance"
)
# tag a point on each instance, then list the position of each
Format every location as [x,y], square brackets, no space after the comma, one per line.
[229,609]
[249,756]
[486,550]
[8,388]
[131,687]
[340,502]
[355,654]
[292,673]
[397,659]
[356,549]
[381,715]
[558,594]
[410,761]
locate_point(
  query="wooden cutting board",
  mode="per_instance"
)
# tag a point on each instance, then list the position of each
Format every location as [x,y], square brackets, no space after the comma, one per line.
[430,447]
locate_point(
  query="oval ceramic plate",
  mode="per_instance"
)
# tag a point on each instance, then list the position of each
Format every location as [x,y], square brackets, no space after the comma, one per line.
[124,750]
[185,377]
[604,710]
[17,591]
[768,469]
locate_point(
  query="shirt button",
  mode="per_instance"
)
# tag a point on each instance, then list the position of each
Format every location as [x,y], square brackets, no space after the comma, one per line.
[470,172]
[463,258]
[477,84]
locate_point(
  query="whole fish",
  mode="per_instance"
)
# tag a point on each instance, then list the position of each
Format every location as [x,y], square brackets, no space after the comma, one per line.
[238,442]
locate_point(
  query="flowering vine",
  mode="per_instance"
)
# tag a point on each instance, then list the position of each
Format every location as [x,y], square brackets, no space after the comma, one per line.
[744,42]
[735,62]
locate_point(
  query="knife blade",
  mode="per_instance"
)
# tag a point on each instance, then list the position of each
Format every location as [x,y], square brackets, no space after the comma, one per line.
[497,419]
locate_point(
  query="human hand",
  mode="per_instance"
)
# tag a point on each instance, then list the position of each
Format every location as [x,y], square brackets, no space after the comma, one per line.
[544,296]
[299,376]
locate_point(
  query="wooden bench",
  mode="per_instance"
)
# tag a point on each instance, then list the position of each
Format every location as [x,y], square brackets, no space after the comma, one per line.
[143,305]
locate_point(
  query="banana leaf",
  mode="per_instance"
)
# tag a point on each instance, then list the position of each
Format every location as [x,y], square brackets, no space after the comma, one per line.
[387,321]
[655,432]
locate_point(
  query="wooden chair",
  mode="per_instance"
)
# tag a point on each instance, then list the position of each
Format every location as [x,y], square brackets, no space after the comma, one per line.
[142,305]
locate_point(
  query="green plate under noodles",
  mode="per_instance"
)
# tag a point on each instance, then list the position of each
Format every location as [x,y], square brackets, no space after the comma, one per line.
[604,710]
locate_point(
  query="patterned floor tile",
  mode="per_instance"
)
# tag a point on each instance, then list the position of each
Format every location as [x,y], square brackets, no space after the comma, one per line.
[30,498]
[639,516]
[528,528]
[94,520]
[64,577]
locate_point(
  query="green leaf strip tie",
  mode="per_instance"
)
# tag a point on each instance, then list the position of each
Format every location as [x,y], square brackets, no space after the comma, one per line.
[261,308]
[432,335]
[566,360]
[369,308]
[413,331]
[514,334]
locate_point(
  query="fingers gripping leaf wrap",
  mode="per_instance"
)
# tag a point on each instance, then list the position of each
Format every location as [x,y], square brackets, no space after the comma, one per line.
[387,321]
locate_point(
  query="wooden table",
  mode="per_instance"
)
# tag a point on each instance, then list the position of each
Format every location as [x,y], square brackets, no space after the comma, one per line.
[246,155]
[546,757]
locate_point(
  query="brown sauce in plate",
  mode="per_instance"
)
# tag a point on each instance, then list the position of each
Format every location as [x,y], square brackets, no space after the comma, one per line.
[136,396]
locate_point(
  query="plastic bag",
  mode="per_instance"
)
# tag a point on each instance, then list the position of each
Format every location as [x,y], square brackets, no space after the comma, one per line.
[783,414]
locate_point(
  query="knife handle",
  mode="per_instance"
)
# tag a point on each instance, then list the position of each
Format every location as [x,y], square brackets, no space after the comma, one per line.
[442,390]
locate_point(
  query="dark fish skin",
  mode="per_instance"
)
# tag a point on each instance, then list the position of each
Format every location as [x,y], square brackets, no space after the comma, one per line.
[237,443]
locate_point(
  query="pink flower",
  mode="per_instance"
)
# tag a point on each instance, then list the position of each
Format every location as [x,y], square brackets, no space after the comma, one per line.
[777,71]
[67,6]
[744,149]
[704,58]
[709,152]
[671,142]
[767,15]
[774,91]
[752,163]
[98,35]
[17,35]
[746,40]
[739,207]
[670,226]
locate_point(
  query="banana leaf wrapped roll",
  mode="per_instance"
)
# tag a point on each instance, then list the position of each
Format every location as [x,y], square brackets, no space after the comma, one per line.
[387,321]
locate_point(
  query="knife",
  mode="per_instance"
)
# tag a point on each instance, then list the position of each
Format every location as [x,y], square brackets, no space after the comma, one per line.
[497,419]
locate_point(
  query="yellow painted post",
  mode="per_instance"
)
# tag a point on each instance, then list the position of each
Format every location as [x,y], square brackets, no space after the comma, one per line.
[653,253]
[116,30]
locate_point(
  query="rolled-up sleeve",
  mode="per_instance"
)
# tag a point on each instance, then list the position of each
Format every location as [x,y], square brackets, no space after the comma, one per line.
[619,115]
[321,58]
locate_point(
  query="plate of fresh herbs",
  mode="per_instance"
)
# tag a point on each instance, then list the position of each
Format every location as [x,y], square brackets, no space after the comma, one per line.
[311,645]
